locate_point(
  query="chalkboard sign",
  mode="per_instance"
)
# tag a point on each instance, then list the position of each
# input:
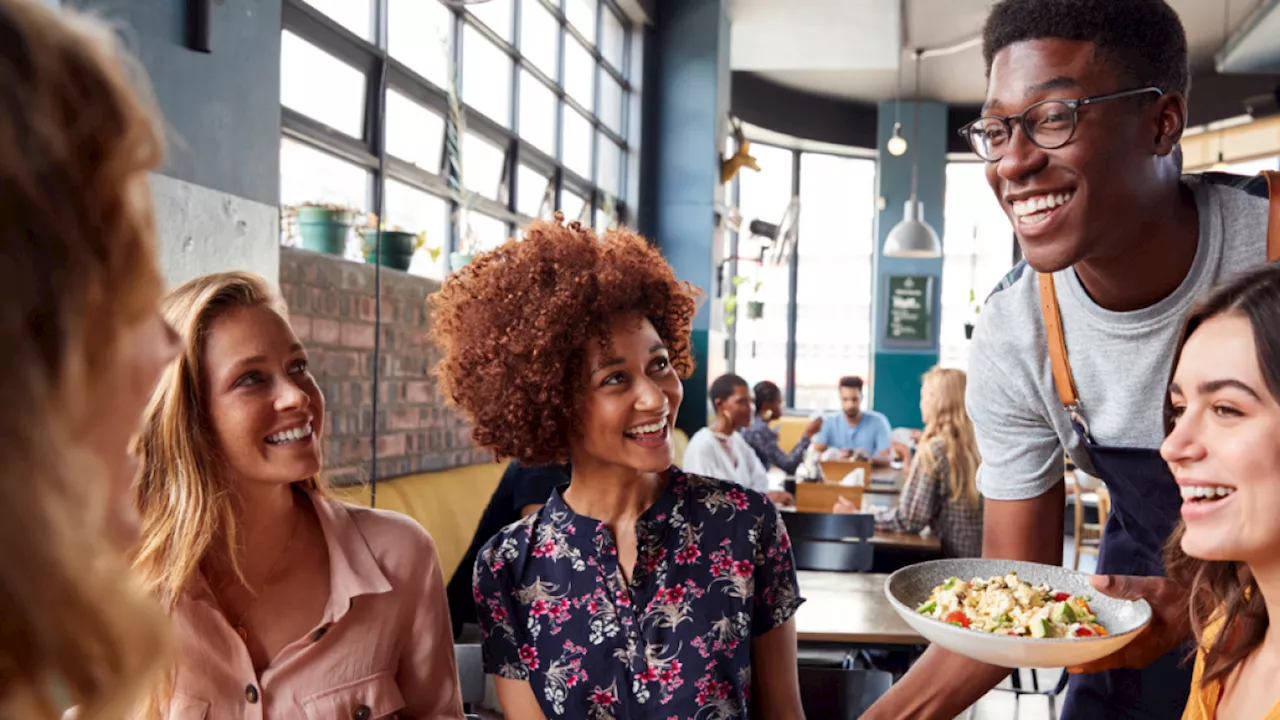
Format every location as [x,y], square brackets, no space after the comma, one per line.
[909,307]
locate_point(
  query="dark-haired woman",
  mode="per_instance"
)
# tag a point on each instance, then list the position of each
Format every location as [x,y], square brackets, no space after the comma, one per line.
[640,591]
[1222,420]
[720,451]
[764,439]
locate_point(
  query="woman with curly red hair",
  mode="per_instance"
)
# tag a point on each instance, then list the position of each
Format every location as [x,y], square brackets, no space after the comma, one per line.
[638,591]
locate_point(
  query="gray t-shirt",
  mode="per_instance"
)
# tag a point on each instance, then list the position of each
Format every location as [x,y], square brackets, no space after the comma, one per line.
[1120,360]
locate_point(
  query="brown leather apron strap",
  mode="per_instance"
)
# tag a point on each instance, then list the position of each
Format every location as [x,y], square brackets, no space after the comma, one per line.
[1273,222]
[1062,378]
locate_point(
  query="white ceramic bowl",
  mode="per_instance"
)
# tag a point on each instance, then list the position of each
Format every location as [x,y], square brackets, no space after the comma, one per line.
[909,588]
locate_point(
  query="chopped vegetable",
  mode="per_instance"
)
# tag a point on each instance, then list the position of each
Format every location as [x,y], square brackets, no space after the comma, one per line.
[1007,605]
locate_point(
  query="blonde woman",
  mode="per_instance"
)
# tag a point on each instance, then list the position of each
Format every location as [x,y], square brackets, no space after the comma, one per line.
[941,491]
[286,603]
[81,345]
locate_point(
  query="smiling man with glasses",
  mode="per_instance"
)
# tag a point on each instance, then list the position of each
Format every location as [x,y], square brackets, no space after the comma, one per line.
[1086,105]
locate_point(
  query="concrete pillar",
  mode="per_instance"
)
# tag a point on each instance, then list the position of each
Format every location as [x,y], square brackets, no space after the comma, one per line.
[217,196]
[686,118]
[895,377]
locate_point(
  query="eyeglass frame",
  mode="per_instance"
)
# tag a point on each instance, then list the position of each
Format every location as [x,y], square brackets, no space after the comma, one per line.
[1073,104]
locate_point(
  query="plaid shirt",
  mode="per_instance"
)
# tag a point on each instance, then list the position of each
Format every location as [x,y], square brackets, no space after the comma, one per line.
[925,502]
[764,440]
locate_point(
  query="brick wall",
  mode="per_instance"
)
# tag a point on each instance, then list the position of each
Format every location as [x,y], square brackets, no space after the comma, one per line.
[332,309]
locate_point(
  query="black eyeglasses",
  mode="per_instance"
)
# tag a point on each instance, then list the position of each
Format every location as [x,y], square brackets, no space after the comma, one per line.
[1048,124]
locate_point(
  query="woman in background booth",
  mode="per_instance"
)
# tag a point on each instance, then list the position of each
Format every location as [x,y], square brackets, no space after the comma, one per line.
[1222,417]
[82,343]
[941,491]
[640,591]
[720,451]
[284,601]
[764,439]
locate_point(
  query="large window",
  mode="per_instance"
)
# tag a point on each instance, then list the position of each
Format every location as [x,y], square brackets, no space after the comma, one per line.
[547,88]
[976,253]
[762,342]
[833,292]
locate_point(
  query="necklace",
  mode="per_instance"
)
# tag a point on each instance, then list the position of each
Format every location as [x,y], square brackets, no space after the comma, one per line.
[271,578]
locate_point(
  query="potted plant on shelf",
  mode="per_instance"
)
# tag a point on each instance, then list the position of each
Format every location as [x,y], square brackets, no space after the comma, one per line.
[971,324]
[323,227]
[755,308]
[398,247]
[731,300]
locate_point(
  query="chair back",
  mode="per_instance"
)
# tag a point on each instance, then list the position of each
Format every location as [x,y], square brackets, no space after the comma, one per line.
[830,542]
[835,694]
[821,497]
[470,672]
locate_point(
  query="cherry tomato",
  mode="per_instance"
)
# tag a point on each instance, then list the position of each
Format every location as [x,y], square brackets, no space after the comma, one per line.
[1060,597]
[957,617]
[1084,632]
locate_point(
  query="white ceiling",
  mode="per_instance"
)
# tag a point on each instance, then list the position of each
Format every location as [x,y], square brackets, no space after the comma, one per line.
[847,48]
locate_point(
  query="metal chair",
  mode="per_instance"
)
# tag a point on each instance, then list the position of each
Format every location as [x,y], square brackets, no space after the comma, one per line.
[830,542]
[470,674]
[840,694]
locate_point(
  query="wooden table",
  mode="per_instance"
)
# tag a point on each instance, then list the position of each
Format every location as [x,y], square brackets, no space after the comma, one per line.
[907,541]
[850,608]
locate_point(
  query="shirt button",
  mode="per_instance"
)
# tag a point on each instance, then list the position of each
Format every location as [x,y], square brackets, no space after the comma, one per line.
[251,694]
[319,633]
[361,713]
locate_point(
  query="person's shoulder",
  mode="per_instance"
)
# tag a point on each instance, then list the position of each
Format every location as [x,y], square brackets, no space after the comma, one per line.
[715,495]
[1247,188]
[387,528]
[878,418]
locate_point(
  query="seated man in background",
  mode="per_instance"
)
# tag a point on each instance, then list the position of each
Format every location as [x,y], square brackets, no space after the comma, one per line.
[859,434]
[523,490]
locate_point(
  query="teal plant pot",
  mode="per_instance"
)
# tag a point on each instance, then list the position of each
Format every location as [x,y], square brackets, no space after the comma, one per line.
[458,260]
[324,230]
[397,248]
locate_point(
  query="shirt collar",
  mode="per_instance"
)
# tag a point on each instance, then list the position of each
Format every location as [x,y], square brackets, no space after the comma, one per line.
[653,522]
[353,570]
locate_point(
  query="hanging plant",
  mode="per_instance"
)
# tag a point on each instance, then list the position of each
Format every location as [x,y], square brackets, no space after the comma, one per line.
[972,324]
[455,130]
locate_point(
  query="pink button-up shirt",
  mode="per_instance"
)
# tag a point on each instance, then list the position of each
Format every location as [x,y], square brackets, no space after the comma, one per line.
[383,649]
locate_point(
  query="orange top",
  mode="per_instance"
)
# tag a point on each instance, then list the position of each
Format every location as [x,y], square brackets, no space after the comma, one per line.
[1203,702]
[384,645]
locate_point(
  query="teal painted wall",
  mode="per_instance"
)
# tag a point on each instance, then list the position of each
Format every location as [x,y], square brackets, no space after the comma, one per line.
[690,47]
[895,379]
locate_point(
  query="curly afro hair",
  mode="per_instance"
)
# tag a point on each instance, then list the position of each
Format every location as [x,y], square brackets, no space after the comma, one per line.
[514,324]
[1144,38]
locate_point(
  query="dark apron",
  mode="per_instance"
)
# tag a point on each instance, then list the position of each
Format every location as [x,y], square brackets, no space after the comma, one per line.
[1145,506]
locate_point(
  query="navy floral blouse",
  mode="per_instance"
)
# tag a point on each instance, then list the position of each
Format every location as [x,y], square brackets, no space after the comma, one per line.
[713,570]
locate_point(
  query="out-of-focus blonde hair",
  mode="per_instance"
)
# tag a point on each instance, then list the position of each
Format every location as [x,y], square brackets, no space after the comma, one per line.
[184,497]
[77,138]
[949,422]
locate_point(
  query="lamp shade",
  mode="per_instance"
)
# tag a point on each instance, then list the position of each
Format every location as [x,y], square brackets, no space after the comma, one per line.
[912,238]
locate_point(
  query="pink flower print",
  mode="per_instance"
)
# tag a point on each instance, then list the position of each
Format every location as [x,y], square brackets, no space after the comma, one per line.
[742,568]
[623,599]
[649,675]
[738,498]
[674,596]
[676,666]
[498,613]
[529,656]
[592,607]
[688,554]
[546,549]
[571,681]
[603,697]
[539,608]
[665,676]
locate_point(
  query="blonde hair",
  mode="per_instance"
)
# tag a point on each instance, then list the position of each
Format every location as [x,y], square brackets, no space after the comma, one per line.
[77,138]
[183,497]
[950,424]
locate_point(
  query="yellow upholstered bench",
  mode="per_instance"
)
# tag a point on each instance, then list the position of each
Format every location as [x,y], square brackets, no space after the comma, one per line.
[448,503]
[790,429]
